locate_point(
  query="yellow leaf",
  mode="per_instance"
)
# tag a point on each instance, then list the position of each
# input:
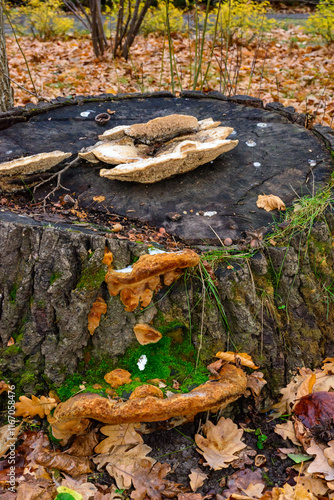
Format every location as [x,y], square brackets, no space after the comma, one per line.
[270,202]
[35,406]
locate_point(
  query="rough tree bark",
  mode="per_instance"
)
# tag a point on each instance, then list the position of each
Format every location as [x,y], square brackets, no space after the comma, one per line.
[6,96]
[276,305]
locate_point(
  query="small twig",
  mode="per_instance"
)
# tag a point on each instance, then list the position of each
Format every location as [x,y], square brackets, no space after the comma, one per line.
[58,175]
[26,90]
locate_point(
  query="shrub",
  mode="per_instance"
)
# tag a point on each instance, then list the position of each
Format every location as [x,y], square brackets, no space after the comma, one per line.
[239,18]
[155,19]
[42,19]
[321,23]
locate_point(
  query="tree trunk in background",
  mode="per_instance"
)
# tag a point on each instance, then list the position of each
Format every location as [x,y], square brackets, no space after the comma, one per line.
[6,99]
[98,37]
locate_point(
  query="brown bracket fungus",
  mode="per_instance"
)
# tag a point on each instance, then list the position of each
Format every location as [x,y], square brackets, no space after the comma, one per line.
[12,172]
[94,317]
[213,395]
[118,377]
[163,147]
[137,284]
[146,334]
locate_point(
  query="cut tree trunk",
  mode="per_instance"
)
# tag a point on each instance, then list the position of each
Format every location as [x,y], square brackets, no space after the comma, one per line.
[6,96]
[276,305]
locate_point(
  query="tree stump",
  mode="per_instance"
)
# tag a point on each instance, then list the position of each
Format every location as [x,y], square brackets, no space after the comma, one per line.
[276,305]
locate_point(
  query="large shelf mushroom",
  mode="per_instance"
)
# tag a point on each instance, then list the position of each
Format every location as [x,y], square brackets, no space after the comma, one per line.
[163,147]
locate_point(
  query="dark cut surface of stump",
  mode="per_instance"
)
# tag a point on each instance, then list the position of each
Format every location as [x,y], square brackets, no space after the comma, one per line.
[274,156]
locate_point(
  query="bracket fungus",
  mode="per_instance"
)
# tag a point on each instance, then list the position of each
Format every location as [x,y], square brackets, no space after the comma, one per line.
[14,174]
[163,147]
[213,395]
[146,334]
[137,284]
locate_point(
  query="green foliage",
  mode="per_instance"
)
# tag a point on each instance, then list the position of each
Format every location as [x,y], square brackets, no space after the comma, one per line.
[261,439]
[54,277]
[321,23]
[239,19]
[155,19]
[13,293]
[43,19]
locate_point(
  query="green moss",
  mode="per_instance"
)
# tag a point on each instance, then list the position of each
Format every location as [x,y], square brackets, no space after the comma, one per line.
[12,350]
[91,278]
[54,277]
[27,378]
[12,293]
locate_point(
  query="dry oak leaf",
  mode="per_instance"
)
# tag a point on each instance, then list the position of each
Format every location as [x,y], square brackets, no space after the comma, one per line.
[3,386]
[83,446]
[289,393]
[123,434]
[270,202]
[149,482]
[8,436]
[287,431]
[65,430]
[288,492]
[311,483]
[255,382]
[221,443]
[122,462]
[197,478]
[329,453]
[81,486]
[35,406]
[237,357]
[245,482]
[320,464]
[74,466]
[40,489]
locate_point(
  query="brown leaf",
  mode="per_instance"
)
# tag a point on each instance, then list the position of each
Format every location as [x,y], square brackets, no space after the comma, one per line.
[4,387]
[36,490]
[197,478]
[246,482]
[287,431]
[122,462]
[83,446]
[315,409]
[320,464]
[149,482]
[64,430]
[270,202]
[237,357]
[74,466]
[118,435]
[8,436]
[223,441]
[255,382]
[35,406]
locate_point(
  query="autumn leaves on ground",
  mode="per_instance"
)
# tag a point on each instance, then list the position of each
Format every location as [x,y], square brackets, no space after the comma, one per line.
[223,460]
[285,65]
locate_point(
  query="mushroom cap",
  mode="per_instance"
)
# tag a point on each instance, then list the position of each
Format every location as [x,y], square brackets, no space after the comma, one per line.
[187,156]
[148,266]
[118,377]
[163,128]
[112,153]
[33,164]
[146,334]
[146,390]
[212,395]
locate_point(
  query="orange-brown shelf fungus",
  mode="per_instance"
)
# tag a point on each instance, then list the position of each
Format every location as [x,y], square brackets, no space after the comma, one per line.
[137,284]
[146,334]
[213,395]
[94,316]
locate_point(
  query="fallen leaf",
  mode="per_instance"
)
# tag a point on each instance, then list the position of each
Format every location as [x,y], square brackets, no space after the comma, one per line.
[315,409]
[122,462]
[33,489]
[246,482]
[221,443]
[149,482]
[197,478]
[288,492]
[287,431]
[116,228]
[8,436]
[83,446]
[123,434]
[270,202]
[255,382]
[237,357]
[4,387]
[320,464]
[35,406]
[80,486]
[311,483]
[65,430]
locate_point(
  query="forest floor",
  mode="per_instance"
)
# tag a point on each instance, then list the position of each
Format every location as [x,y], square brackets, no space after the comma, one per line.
[285,65]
